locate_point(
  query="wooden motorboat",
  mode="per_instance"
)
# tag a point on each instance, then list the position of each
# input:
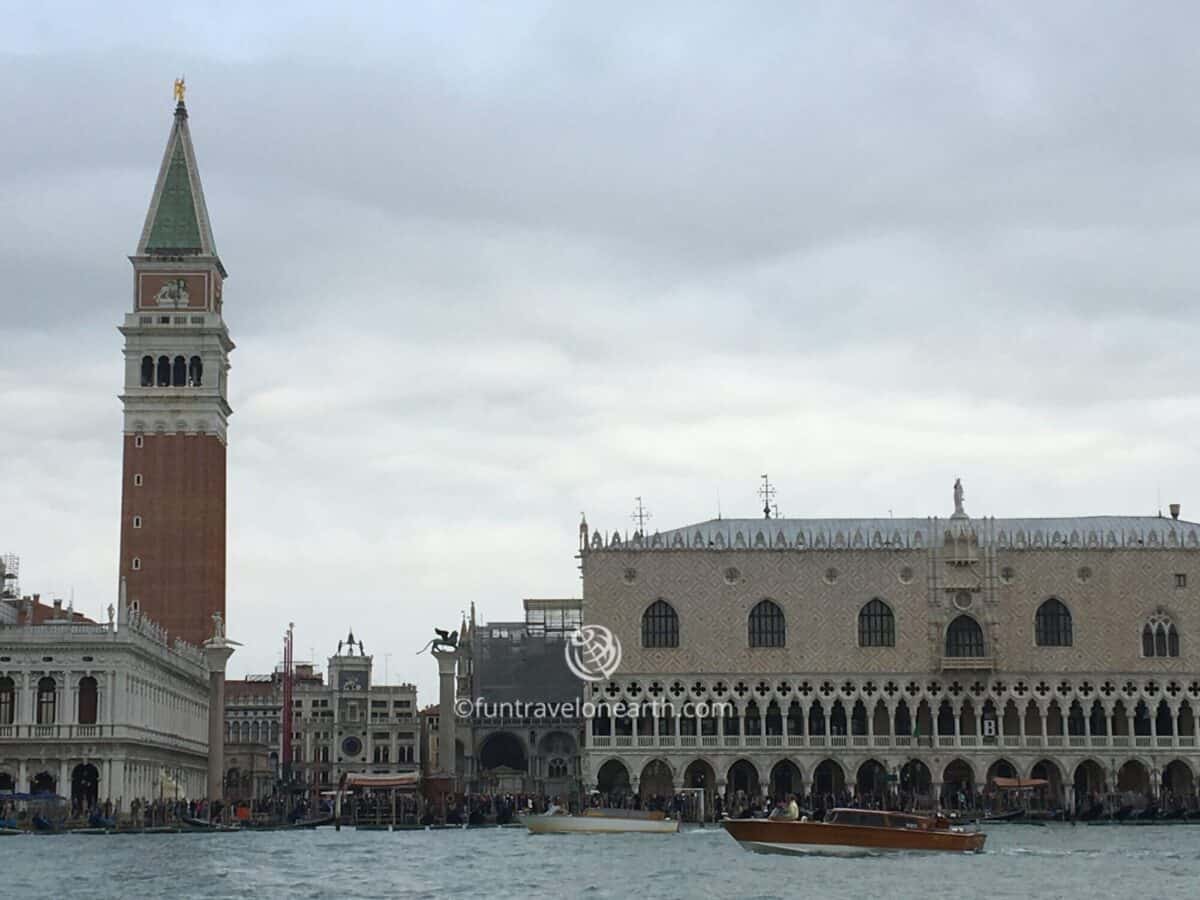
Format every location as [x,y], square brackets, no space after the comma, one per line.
[602,821]
[854,831]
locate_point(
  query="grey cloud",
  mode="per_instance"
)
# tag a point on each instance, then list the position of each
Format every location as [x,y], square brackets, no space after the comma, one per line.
[493,268]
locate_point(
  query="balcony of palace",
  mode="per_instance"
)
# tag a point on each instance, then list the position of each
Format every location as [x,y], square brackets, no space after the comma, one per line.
[1084,743]
[972,711]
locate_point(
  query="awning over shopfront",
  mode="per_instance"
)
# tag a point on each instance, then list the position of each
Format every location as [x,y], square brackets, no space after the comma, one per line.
[381,782]
[1019,784]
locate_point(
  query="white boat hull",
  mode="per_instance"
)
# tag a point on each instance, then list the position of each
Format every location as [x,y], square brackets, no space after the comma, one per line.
[598,825]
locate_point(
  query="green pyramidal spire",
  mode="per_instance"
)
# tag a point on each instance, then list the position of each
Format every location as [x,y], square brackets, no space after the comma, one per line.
[177,221]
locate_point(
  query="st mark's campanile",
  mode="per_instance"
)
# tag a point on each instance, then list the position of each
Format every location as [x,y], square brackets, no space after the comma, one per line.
[176,407]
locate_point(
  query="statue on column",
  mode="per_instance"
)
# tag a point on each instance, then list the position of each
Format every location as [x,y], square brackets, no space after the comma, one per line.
[442,641]
[958,497]
[218,626]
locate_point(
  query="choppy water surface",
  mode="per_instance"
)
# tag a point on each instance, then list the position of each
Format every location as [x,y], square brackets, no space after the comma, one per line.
[1020,861]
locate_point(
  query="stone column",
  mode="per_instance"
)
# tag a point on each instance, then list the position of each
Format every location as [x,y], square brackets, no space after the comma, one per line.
[28,711]
[447,659]
[216,654]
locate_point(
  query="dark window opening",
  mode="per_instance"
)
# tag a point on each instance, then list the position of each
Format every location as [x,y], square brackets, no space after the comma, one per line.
[876,625]
[964,637]
[767,626]
[88,697]
[1052,624]
[46,697]
[660,625]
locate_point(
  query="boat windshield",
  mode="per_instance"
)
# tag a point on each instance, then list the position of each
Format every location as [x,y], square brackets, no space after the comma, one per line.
[876,819]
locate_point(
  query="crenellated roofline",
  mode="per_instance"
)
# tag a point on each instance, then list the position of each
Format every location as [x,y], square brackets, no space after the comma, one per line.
[1069,533]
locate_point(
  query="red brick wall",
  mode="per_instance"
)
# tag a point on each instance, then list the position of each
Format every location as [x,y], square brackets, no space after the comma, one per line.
[181,543]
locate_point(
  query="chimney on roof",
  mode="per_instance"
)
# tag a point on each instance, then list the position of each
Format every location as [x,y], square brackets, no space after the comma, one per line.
[1174,510]
[58,604]
[37,599]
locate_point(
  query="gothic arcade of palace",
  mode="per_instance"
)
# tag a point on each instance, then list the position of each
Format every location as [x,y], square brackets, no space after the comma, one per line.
[927,654]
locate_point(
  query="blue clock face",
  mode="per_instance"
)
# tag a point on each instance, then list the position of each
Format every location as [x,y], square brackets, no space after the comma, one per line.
[351,746]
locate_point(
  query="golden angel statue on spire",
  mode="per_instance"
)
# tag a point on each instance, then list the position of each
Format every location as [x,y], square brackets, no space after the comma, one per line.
[180,89]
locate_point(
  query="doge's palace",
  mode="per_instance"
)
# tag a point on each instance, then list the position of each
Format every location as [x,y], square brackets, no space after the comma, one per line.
[926,656]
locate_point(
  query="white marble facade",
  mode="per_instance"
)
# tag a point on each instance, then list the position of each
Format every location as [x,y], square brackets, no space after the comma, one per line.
[102,712]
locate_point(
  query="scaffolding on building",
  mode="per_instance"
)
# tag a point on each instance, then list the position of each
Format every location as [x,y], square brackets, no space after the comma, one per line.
[10,571]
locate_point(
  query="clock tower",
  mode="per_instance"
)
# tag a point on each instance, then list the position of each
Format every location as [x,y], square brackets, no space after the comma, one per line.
[176,407]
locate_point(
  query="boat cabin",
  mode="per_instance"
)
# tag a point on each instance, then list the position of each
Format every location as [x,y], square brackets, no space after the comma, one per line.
[873,818]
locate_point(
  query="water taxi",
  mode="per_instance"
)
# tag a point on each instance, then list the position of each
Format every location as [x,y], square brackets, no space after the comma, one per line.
[854,831]
[602,821]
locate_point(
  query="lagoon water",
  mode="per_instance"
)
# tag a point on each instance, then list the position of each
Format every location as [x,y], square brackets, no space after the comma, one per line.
[1057,861]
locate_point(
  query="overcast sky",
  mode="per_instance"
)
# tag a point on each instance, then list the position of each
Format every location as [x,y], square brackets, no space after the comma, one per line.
[491,267]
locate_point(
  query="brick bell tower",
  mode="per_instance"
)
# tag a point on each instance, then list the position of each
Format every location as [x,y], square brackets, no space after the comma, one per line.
[175,406]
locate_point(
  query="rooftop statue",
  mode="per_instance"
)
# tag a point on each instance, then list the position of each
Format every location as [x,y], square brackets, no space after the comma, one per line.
[442,641]
[180,89]
[958,497]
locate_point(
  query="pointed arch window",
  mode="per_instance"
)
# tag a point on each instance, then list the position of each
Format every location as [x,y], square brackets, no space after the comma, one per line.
[876,625]
[1052,624]
[767,625]
[964,637]
[660,625]
[1160,637]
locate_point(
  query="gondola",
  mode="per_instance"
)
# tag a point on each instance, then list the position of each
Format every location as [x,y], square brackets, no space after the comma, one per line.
[315,822]
[42,825]
[191,824]
[1010,816]
[1093,812]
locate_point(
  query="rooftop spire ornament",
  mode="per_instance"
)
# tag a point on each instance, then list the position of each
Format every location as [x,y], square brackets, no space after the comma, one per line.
[180,89]
[767,492]
[640,515]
